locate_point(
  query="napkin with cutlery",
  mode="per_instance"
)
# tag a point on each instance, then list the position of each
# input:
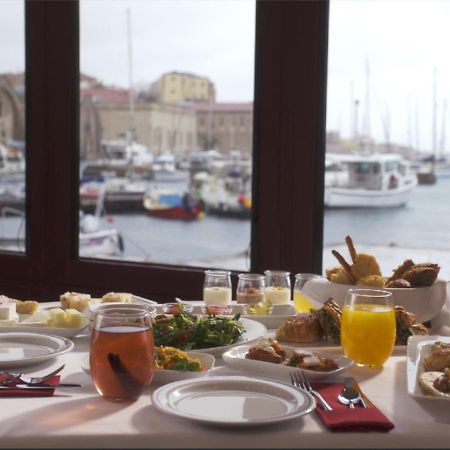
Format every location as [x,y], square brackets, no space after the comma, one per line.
[11,391]
[343,418]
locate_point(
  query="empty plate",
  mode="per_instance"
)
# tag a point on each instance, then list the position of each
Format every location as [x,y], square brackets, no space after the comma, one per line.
[232,401]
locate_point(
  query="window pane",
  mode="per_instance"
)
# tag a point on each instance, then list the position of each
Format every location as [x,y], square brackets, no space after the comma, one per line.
[166,117]
[387,160]
[12,127]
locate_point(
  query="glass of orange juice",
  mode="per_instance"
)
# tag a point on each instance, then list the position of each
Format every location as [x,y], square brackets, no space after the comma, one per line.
[302,302]
[368,326]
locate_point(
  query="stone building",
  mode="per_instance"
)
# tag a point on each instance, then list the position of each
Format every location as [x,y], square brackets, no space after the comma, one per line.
[225,126]
[177,87]
[12,118]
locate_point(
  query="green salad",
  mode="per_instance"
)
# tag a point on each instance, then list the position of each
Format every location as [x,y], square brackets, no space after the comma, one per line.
[188,332]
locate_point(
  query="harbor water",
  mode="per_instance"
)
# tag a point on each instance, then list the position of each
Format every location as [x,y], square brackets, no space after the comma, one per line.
[420,231]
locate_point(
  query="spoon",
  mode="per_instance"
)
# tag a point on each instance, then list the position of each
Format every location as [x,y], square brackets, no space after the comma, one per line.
[349,396]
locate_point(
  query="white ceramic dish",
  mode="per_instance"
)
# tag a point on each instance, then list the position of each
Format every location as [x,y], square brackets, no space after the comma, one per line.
[30,327]
[232,401]
[168,376]
[23,349]
[236,358]
[424,302]
[418,348]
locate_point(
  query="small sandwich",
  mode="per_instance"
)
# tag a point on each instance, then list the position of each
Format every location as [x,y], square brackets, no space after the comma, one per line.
[436,383]
[119,297]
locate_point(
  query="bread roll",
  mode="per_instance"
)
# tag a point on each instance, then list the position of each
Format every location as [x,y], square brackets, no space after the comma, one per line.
[303,328]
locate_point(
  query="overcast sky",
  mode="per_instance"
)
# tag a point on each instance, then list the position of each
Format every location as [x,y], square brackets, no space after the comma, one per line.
[400,41]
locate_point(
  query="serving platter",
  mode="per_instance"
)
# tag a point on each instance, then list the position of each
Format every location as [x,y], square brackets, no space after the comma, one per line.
[232,401]
[23,349]
[418,348]
[235,358]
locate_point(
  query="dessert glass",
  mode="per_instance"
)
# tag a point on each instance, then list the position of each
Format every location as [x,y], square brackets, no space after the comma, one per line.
[278,287]
[217,287]
[250,288]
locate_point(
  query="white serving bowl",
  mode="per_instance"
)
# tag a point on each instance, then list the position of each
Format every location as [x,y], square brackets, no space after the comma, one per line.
[424,302]
[207,361]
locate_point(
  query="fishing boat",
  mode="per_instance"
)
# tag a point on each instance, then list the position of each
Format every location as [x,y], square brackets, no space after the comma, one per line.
[228,195]
[121,195]
[167,204]
[368,181]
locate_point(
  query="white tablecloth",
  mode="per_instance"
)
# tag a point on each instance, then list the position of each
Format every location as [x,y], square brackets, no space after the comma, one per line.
[79,417]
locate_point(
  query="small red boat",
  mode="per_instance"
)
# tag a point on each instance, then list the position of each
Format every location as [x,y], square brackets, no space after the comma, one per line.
[186,211]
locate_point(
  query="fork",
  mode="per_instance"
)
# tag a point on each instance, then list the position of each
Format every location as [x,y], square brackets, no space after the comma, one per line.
[38,380]
[10,378]
[300,381]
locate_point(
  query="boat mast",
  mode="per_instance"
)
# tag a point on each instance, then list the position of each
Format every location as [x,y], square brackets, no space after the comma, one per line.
[131,129]
[444,118]
[367,108]
[434,134]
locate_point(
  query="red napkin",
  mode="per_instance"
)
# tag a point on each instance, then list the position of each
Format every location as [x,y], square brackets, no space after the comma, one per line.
[343,418]
[29,392]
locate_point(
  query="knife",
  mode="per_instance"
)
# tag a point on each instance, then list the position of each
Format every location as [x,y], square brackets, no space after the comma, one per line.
[350,382]
[40,387]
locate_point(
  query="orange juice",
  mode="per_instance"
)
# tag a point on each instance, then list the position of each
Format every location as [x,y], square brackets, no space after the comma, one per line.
[301,302]
[368,333]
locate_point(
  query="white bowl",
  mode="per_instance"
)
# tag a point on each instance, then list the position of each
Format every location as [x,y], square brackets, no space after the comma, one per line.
[207,361]
[425,302]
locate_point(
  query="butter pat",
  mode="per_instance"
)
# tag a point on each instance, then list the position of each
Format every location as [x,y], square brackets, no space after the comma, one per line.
[8,311]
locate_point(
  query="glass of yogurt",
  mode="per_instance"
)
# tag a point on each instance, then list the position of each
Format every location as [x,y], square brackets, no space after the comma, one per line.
[217,287]
[278,287]
[250,288]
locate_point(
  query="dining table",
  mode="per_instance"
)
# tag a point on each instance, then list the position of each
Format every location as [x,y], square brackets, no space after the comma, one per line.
[78,417]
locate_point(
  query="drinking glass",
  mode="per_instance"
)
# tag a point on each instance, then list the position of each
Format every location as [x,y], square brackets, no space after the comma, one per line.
[250,288]
[122,351]
[278,287]
[217,287]
[302,302]
[368,326]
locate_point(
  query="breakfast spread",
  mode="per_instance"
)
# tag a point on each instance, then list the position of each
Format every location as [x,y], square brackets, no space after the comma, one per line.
[269,350]
[435,380]
[365,271]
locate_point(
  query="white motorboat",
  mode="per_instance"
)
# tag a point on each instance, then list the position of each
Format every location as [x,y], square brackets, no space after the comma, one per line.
[368,181]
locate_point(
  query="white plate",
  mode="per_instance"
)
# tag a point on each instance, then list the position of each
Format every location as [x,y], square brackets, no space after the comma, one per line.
[418,348]
[236,401]
[236,358]
[207,361]
[20,349]
[279,315]
[254,331]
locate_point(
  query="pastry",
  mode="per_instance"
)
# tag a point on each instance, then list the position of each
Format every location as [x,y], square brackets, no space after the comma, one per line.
[26,306]
[119,297]
[435,383]
[439,358]
[75,300]
[406,325]
[329,317]
[302,328]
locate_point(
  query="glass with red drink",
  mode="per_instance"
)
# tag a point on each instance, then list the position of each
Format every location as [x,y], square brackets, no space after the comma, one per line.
[122,351]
